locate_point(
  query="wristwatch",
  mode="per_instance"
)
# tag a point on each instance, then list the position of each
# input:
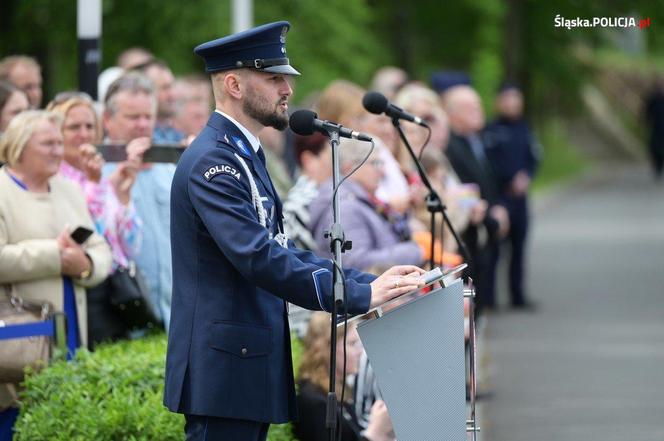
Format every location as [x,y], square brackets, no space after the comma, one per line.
[86,273]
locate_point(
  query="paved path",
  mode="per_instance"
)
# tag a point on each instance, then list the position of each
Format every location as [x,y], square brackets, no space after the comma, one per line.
[589,364]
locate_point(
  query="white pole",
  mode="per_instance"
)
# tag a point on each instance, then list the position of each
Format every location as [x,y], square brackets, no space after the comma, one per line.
[243,15]
[88,19]
[88,29]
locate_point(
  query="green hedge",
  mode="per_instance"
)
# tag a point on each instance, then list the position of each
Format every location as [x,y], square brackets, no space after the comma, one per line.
[114,393]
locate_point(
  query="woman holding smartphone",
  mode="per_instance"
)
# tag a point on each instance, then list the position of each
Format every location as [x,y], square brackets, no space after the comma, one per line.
[39,261]
[109,201]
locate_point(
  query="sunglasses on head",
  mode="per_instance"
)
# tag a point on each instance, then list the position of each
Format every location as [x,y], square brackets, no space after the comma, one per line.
[68,95]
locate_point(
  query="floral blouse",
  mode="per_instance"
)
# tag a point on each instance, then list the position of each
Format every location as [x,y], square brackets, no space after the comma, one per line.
[118,223]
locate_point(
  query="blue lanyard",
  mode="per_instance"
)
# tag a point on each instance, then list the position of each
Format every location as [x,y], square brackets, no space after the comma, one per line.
[18,181]
[21,184]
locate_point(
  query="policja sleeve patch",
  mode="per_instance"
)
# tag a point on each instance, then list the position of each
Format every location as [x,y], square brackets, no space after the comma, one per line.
[222,168]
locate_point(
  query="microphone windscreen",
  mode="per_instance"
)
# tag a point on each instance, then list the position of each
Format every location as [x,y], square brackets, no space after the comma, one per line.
[375,102]
[302,122]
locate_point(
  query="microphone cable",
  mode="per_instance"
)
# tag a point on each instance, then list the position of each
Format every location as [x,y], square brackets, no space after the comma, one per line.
[425,143]
[373,145]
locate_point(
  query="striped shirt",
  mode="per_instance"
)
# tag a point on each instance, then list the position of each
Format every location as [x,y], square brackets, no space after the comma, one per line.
[296,212]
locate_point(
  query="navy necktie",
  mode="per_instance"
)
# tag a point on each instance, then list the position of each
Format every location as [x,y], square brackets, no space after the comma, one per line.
[477,148]
[261,156]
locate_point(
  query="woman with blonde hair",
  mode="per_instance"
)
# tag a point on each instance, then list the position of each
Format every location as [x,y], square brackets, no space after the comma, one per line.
[39,260]
[313,383]
[341,102]
[465,208]
[108,199]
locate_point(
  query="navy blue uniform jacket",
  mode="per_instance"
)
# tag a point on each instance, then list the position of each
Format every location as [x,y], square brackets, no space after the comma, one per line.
[229,349]
[511,147]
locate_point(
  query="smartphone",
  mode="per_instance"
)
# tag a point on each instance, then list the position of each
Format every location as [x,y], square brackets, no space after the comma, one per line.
[163,153]
[112,152]
[156,153]
[80,235]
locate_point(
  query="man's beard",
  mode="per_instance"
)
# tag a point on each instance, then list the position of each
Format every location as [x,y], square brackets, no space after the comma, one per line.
[258,108]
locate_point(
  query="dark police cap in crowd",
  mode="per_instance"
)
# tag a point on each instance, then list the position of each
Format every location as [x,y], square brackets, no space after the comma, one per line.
[443,80]
[262,48]
[508,85]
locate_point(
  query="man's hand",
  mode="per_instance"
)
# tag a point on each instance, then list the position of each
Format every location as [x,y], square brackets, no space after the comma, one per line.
[499,213]
[478,212]
[394,282]
[136,148]
[520,183]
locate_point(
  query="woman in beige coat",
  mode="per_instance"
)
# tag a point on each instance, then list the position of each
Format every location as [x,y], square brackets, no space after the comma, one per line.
[38,211]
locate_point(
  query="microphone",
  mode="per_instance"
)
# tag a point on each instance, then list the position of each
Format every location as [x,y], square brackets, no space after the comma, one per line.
[375,102]
[305,122]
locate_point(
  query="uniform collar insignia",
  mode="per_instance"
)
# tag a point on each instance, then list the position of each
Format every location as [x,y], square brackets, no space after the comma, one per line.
[241,145]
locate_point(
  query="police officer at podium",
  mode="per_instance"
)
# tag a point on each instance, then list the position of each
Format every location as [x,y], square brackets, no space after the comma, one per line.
[228,366]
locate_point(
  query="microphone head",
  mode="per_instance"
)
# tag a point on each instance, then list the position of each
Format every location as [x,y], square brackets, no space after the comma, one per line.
[375,102]
[302,122]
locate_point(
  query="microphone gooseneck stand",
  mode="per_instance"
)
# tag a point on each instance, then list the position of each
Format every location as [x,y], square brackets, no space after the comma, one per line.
[306,122]
[338,245]
[434,205]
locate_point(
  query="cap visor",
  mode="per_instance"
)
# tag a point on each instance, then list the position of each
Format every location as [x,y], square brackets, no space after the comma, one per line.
[284,69]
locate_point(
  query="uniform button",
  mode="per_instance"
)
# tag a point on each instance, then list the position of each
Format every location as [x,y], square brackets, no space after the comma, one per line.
[244,351]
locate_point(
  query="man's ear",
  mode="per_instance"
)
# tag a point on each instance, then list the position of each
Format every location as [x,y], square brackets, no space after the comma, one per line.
[233,85]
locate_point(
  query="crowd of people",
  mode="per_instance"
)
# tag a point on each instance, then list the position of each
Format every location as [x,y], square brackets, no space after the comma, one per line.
[54,180]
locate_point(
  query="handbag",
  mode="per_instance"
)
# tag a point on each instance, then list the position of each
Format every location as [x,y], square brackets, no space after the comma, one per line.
[130,298]
[33,348]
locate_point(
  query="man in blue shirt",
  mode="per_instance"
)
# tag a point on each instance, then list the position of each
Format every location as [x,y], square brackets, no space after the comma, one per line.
[160,74]
[228,366]
[129,118]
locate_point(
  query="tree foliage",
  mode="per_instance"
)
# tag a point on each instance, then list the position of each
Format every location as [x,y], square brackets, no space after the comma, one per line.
[491,39]
[330,42]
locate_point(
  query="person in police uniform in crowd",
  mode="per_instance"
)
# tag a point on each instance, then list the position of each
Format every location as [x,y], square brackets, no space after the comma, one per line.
[228,366]
[514,155]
